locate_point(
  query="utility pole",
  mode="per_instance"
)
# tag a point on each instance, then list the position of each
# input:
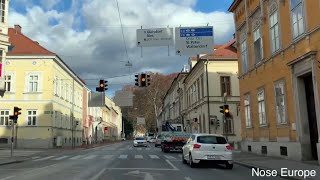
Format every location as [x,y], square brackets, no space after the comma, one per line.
[224,117]
[72,117]
[12,136]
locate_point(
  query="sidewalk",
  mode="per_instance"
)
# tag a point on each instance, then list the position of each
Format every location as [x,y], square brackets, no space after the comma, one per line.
[21,155]
[272,163]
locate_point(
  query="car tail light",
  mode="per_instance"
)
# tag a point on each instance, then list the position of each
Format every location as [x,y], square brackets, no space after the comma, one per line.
[229,147]
[196,146]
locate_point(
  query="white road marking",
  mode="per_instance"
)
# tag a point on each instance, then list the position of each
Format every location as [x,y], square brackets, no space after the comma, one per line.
[148,149]
[130,148]
[76,157]
[42,159]
[107,156]
[9,177]
[154,157]
[90,157]
[174,167]
[98,174]
[138,157]
[122,149]
[35,157]
[139,149]
[152,169]
[62,157]
[187,178]
[169,157]
[123,156]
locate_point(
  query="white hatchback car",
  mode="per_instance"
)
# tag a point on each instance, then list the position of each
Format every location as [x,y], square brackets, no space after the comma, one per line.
[207,147]
[140,141]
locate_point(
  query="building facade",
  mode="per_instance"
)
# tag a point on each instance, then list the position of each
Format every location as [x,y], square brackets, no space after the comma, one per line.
[195,97]
[278,43]
[4,42]
[48,92]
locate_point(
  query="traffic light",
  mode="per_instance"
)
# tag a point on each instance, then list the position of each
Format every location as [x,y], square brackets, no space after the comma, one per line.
[222,109]
[16,113]
[137,80]
[143,80]
[148,80]
[102,86]
[217,122]
[226,110]
[77,123]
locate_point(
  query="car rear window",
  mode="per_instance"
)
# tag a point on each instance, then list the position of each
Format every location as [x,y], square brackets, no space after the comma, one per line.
[211,140]
[139,138]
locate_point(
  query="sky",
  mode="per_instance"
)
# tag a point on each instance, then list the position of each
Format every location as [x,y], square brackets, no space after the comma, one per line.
[86,34]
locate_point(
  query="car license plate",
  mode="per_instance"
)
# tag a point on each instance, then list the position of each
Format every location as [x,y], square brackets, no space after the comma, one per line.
[213,157]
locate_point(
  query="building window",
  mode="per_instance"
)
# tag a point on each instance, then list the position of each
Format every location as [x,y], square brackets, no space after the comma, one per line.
[244,57]
[247,110]
[33,83]
[261,108]
[3,10]
[280,102]
[297,16]
[8,83]
[4,117]
[229,126]
[198,85]
[258,51]
[202,86]
[32,117]
[225,85]
[55,85]
[274,29]
[67,93]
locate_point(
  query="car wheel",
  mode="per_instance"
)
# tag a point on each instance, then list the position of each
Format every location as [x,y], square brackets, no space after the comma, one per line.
[183,160]
[192,165]
[228,165]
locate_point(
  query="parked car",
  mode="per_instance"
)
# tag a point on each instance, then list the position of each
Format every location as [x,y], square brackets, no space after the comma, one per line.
[152,140]
[159,139]
[140,141]
[207,147]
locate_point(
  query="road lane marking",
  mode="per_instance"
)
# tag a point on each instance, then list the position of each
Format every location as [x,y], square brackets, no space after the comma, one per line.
[36,157]
[174,167]
[107,156]
[76,157]
[152,169]
[9,177]
[122,149]
[169,157]
[130,148]
[90,157]
[148,149]
[45,158]
[139,149]
[154,157]
[98,174]
[62,157]
[138,157]
[187,178]
[123,156]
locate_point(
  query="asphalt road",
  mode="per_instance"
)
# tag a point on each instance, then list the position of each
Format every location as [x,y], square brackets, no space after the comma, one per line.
[118,161]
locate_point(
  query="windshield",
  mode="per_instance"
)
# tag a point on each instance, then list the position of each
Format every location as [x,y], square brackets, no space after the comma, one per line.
[140,138]
[211,140]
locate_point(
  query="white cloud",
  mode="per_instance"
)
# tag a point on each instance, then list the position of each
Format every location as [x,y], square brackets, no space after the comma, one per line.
[98,50]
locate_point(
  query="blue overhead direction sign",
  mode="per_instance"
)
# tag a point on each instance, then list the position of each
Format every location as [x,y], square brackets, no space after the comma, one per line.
[195,30]
[196,34]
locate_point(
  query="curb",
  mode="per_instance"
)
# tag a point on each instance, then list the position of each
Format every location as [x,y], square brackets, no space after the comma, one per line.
[250,166]
[13,162]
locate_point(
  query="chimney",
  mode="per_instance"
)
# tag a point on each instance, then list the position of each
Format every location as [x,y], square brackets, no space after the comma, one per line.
[17,27]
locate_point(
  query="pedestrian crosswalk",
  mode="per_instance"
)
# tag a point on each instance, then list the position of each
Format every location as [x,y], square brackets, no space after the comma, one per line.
[106,156]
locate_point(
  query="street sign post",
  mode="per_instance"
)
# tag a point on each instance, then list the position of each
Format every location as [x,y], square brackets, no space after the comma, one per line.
[194,40]
[154,37]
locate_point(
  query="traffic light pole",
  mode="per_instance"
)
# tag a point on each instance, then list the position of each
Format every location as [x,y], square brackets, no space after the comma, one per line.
[224,116]
[12,137]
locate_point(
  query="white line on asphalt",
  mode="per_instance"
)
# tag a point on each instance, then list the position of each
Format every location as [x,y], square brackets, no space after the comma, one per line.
[98,174]
[35,157]
[148,149]
[90,157]
[62,157]
[130,148]
[139,149]
[174,167]
[48,157]
[107,156]
[153,169]
[169,157]
[9,177]
[123,156]
[122,149]
[138,157]
[187,178]
[154,157]
[75,157]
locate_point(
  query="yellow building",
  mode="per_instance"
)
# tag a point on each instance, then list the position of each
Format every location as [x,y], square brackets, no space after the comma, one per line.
[47,91]
[278,50]
[4,41]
